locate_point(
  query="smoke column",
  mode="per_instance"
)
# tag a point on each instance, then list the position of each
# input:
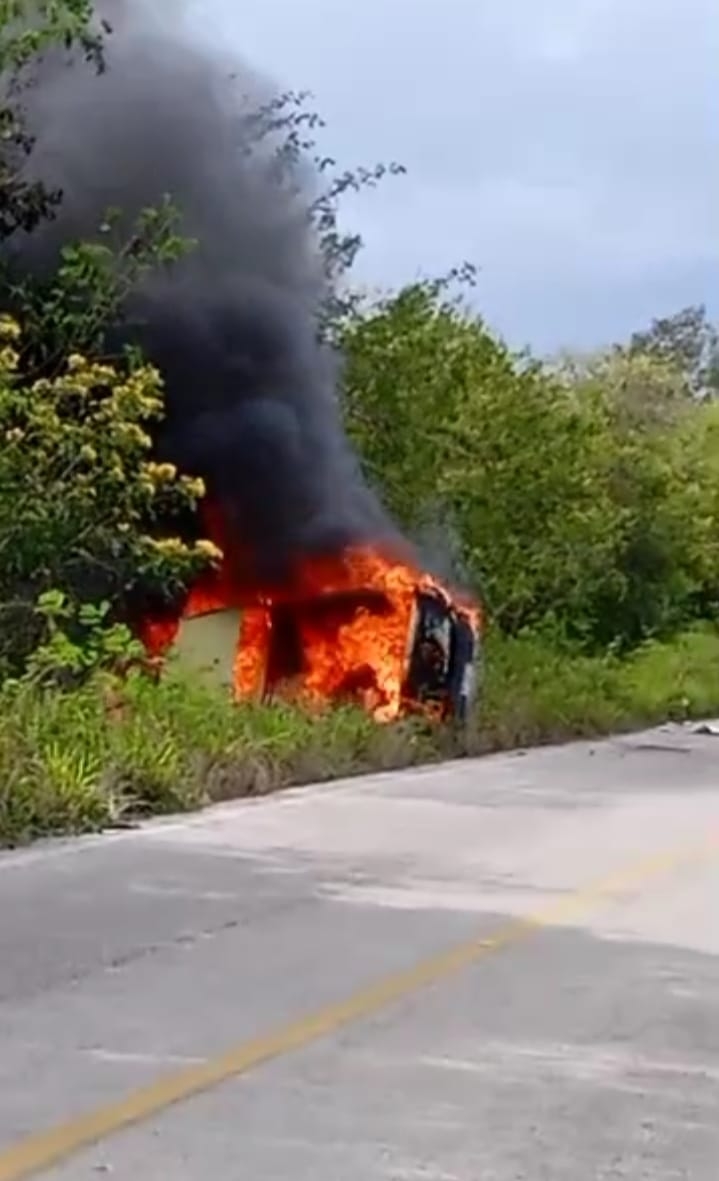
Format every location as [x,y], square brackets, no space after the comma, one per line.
[251,401]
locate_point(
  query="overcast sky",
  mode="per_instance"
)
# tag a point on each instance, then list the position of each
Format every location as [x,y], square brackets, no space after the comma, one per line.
[569,148]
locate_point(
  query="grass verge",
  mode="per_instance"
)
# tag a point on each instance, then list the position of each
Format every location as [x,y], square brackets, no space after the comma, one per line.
[80,761]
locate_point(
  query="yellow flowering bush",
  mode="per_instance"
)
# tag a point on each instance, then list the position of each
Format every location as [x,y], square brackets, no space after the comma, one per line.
[85,511]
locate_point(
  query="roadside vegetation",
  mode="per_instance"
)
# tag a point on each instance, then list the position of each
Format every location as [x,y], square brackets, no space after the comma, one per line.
[578,498]
[93,757]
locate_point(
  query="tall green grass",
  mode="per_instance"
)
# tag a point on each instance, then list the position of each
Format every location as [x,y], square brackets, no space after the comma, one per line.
[83,760]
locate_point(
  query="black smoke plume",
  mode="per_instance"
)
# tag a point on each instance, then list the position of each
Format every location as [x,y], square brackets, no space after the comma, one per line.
[251,395]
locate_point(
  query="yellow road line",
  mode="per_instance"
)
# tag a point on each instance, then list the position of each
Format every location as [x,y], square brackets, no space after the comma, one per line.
[45,1149]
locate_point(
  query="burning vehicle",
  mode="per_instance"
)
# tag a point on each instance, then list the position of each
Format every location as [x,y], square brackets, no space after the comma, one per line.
[319,596]
[357,627]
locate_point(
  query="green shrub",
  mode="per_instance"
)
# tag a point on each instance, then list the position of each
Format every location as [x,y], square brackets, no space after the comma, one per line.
[81,502]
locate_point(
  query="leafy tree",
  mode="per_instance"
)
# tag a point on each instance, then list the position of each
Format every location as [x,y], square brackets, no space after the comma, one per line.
[663,485]
[639,390]
[687,342]
[584,496]
[448,419]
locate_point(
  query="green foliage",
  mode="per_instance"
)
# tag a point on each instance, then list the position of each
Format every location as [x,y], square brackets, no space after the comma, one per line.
[79,642]
[450,423]
[82,505]
[28,30]
[581,496]
[540,692]
[108,753]
[688,343]
[71,310]
[84,512]
[663,480]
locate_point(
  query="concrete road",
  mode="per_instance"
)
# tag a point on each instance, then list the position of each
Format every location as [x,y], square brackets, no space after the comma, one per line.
[503,970]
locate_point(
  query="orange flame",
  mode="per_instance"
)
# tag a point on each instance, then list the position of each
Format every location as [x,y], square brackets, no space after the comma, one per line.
[339,632]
